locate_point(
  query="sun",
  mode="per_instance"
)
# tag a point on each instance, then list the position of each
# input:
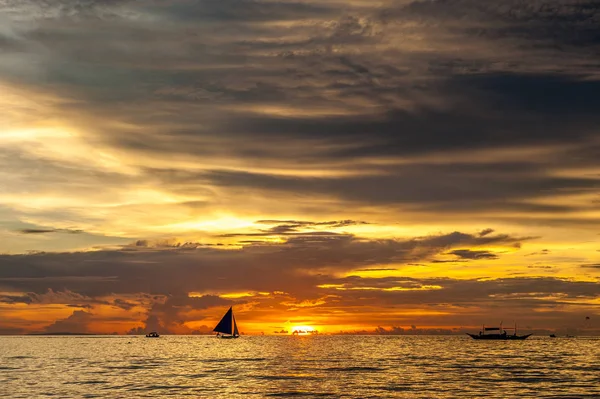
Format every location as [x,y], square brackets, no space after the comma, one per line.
[304,330]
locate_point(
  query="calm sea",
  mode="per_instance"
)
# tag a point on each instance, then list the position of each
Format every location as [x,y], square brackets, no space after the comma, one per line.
[298,367]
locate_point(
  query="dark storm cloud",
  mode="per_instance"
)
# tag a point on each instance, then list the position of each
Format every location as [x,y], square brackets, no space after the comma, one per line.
[15,299]
[291,228]
[259,267]
[303,223]
[46,231]
[241,11]
[50,296]
[123,304]
[553,23]
[376,270]
[303,270]
[498,110]
[36,231]
[473,255]
[485,232]
[555,96]
[451,187]
[522,291]
[450,107]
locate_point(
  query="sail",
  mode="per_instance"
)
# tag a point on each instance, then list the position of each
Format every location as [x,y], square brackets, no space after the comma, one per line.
[225,325]
[235,329]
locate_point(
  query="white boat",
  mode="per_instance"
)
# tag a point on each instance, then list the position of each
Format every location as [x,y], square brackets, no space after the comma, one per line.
[227,327]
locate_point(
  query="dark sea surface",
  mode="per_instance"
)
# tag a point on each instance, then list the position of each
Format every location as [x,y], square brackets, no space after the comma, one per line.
[298,367]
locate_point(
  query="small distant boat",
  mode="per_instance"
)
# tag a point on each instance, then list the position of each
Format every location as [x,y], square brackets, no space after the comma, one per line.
[152,334]
[227,327]
[500,336]
[552,335]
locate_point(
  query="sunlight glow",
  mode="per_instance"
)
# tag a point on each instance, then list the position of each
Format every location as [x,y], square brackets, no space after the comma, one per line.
[229,295]
[342,287]
[214,223]
[303,330]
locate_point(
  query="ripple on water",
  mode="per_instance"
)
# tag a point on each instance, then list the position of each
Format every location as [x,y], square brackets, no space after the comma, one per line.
[89,382]
[160,388]
[288,377]
[235,360]
[133,367]
[325,366]
[356,368]
[300,393]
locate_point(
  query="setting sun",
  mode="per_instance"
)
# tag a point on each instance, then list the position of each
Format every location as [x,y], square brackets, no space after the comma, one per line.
[303,330]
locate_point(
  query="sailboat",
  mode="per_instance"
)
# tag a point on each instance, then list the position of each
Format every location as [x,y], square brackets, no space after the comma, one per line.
[227,327]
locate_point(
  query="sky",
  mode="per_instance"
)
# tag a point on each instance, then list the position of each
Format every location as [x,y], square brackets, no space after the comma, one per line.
[384,167]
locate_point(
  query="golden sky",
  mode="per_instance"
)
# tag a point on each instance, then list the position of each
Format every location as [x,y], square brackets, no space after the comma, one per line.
[358,167]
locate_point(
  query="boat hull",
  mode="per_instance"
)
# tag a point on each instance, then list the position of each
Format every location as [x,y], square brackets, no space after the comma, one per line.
[228,336]
[499,337]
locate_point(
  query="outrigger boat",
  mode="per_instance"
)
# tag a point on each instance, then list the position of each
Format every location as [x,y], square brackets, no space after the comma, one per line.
[503,336]
[227,327]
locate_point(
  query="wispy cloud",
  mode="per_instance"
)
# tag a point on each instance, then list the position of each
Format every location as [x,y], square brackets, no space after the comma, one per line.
[304,143]
[46,231]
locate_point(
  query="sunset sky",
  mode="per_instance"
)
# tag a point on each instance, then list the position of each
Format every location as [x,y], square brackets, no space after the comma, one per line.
[359,166]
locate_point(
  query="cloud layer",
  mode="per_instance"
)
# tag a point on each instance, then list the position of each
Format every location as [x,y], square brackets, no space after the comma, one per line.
[155,156]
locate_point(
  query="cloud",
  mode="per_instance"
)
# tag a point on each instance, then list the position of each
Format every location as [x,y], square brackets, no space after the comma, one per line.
[257,266]
[50,297]
[78,322]
[564,24]
[473,255]
[431,188]
[304,143]
[46,231]
[169,316]
[36,231]
[349,112]
[485,232]
[297,228]
[295,277]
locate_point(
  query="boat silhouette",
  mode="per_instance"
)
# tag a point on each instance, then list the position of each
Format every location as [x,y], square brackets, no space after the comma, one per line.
[152,334]
[500,336]
[227,327]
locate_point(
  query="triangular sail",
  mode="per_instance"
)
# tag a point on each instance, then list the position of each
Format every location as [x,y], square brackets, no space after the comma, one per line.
[235,329]
[225,326]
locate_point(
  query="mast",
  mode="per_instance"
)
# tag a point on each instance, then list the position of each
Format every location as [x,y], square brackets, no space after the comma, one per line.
[236,333]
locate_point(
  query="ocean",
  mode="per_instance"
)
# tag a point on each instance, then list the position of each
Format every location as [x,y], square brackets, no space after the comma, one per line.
[298,367]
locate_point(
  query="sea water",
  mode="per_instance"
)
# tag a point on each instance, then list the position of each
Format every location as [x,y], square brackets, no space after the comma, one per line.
[298,367]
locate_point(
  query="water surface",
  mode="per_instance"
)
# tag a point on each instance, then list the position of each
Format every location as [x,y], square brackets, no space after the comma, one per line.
[298,367]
